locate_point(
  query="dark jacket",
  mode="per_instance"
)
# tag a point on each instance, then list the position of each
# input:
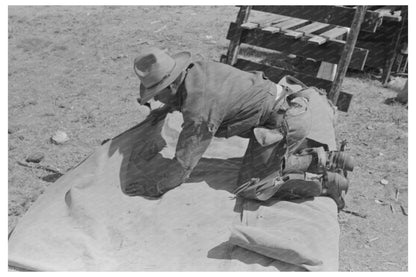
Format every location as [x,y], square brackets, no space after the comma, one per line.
[218,99]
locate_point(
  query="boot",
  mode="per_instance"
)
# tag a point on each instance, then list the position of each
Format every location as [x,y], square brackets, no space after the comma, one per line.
[339,160]
[333,185]
[300,185]
[316,160]
[309,160]
[289,186]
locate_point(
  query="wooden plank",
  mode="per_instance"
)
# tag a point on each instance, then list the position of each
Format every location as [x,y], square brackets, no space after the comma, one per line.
[327,71]
[280,18]
[344,101]
[270,21]
[336,15]
[313,27]
[235,40]
[293,34]
[328,35]
[318,40]
[334,33]
[249,25]
[347,53]
[329,52]
[275,74]
[289,23]
[271,29]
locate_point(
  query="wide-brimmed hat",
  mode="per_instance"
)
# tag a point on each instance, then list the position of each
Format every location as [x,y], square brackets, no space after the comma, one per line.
[157,70]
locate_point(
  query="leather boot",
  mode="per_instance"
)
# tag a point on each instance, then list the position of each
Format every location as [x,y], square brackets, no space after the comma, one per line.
[333,185]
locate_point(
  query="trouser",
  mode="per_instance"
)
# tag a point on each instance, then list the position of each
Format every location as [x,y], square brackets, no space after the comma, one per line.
[263,155]
[264,160]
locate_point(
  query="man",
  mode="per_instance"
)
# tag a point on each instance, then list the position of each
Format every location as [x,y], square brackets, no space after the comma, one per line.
[219,100]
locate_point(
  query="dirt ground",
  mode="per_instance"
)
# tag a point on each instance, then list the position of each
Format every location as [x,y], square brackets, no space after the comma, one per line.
[71,69]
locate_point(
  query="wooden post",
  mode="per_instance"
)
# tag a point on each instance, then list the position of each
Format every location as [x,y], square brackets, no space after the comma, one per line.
[347,53]
[392,54]
[234,46]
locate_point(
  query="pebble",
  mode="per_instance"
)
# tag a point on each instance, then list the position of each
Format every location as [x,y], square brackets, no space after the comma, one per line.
[384,182]
[35,157]
[59,137]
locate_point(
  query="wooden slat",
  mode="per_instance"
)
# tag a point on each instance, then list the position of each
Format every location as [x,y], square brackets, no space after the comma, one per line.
[271,29]
[275,74]
[318,40]
[327,71]
[290,23]
[344,101]
[249,25]
[276,19]
[335,15]
[334,33]
[313,27]
[329,52]
[280,18]
[293,34]
[235,41]
[328,35]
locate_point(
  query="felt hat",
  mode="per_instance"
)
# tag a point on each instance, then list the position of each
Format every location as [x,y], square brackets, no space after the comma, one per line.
[157,70]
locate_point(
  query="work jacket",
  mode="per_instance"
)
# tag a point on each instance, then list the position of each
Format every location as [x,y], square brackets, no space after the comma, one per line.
[219,100]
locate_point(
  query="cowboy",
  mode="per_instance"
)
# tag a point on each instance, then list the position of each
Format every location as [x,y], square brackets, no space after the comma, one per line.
[219,100]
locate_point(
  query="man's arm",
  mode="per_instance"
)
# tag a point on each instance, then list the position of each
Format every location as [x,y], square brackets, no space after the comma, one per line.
[192,143]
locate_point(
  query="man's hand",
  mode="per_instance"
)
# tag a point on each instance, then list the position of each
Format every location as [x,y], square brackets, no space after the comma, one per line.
[159,114]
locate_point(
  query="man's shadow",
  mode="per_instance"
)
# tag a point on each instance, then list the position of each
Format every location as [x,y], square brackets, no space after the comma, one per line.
[219,174]
[142,162]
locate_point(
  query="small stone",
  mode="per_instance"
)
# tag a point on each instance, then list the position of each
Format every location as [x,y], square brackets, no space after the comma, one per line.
[21,137]
[35,157]
[384,182]
[369,127]
[59,137]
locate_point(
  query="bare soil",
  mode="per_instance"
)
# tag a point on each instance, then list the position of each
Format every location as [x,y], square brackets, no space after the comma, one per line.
[70,69]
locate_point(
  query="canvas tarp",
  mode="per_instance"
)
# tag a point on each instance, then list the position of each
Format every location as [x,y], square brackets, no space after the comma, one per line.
[84,222]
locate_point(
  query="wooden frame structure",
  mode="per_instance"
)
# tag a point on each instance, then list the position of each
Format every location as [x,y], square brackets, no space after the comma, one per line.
[311,32]
[388,45]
